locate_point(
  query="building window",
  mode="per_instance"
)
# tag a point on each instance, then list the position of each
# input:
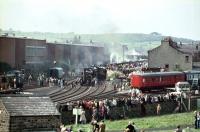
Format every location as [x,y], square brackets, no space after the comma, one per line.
[177,66]
[166,66]
[35,54]
[187,59]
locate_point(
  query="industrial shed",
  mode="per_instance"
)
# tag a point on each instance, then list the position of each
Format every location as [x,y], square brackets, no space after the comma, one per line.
[28,114]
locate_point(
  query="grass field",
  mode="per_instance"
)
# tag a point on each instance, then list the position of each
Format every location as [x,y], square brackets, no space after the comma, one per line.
[163,123]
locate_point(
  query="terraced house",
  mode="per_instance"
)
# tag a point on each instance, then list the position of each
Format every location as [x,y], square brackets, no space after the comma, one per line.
[175,57]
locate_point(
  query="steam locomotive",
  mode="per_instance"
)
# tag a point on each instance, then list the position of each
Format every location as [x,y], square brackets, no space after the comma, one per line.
[93,75]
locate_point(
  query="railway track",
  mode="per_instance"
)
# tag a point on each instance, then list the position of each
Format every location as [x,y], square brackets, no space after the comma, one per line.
[64,96]
[92,92]
[77,93]
[66,87]
[78,97]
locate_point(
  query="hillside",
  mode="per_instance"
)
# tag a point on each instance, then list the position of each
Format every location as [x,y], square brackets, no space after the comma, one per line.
[138,41]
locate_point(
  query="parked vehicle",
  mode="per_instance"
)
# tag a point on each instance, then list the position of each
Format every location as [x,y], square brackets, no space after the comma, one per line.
[56,72]
[193,78]
[182,87]
[17,76]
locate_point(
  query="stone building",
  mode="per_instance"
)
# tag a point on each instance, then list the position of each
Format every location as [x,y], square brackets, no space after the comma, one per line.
[34,54]
[172,56]
[18,114]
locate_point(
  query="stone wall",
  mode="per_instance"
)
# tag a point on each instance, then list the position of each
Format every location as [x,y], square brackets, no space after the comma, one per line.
[121,112]
[34,123]
[4,119]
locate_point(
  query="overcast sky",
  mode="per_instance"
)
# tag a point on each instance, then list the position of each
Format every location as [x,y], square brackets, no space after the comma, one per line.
[180,18]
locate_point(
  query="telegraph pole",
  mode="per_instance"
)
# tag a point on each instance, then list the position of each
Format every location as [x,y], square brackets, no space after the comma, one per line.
[124,48]
[123,52]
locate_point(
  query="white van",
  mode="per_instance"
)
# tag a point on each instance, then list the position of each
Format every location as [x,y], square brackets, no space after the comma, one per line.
[182,87]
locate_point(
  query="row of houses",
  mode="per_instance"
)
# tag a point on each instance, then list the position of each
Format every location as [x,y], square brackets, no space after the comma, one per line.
[173,56]
[26,52]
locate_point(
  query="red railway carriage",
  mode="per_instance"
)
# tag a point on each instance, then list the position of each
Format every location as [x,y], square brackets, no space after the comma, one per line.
[148,81]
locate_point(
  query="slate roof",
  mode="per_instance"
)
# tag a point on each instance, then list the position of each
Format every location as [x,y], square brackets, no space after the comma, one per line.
[29,106]
[189,48]
[183,48]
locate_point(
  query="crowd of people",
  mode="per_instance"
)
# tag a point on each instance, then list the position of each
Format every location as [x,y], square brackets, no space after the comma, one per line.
[126,68]
[102,106]
[11,81]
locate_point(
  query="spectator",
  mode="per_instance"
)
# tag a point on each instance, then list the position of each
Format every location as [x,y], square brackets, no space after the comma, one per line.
[4,81]
[143,109]
[178,129]
[69,129]
[131,127]
[178,107]
[158,109]
[61,83]
[79,130]
[15,83]
[95,126]
[29,79]
[195,123]
[82,116]
[198,119]
[94,113]
[102,126]
[63,128]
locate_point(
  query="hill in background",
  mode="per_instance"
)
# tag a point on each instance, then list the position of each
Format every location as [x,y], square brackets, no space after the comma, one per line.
[114,41]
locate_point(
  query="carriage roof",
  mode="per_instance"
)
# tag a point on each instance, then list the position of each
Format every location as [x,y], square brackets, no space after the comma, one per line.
[159,73]
[192,72]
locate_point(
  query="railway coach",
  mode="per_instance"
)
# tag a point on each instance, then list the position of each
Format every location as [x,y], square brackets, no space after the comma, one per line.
[156,80]
[193,78]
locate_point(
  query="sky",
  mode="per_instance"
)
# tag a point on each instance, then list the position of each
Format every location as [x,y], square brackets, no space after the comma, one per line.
[178,18]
